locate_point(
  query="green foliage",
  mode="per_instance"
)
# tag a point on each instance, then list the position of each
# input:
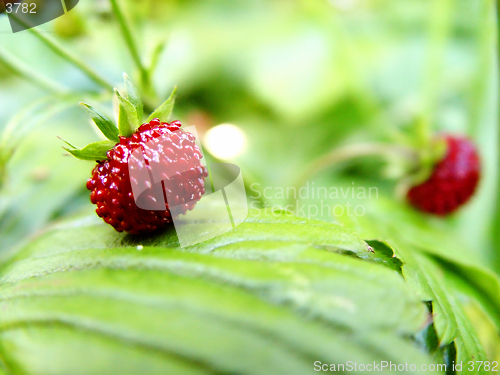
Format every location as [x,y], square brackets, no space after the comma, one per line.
[278,292]
[439,284]
[275,293]
[95,151]
[128,120]
[105,125]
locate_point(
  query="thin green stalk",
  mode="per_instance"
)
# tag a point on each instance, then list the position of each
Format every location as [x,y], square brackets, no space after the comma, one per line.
[362,89]
[496,222]
[28,73]
[354,151]
[63,3]
[74,60]
[482,80]
[440,27]
[129,39]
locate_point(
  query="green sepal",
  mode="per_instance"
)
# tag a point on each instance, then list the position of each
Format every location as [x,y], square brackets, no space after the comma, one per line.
[134,97]
[128,121]
[105,125]
[439,150]
[94,151]
[427,161]
[164,111]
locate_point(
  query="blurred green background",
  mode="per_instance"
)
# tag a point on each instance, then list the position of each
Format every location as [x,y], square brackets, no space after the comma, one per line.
[297,78]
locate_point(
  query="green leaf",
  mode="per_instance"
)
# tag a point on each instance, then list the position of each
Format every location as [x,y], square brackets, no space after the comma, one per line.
[94,151]
[128,120]
[485,329]
[450,321]
[164,111]
[42,183]
[427,279]
[273,295]
[134,97]
[105,125]
[383,254]
[475,281]
[452,314]
[429,342]
[69,144]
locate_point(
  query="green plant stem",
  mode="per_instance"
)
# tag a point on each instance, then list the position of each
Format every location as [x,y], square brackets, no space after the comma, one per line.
[441,23]
[30,74]
[496,222]
[74,60]
[129,39]
[482,80]
[354,151]
[64,6]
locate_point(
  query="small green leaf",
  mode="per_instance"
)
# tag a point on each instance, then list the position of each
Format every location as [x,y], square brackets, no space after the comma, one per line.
[93,151]
[134,97]
[65,141]
[164,111]
[105,125]
[128,121]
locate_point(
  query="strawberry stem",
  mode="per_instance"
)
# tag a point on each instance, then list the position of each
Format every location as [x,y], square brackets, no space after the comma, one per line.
[354,151]
[127,34]
[440,27]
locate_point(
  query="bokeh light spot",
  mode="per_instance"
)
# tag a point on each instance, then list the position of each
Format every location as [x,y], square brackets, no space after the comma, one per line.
[225,141]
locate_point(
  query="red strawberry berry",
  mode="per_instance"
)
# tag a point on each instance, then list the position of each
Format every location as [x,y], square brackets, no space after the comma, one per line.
[146,175]
[453,180]
[181,170]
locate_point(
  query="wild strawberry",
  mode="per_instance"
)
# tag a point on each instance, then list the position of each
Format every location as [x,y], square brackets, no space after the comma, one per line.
[453,180]
[157,151]
[110,184]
